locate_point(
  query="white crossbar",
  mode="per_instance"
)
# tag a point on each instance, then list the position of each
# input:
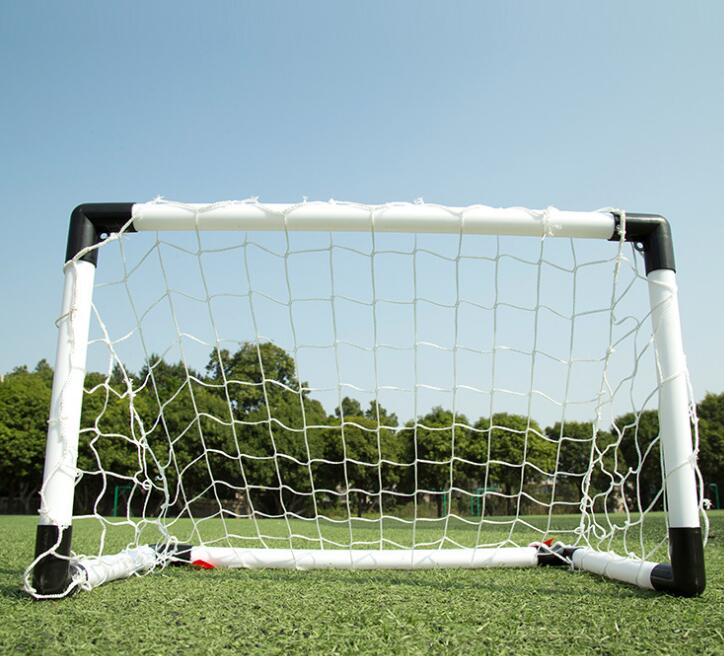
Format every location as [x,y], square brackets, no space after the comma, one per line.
[354,217]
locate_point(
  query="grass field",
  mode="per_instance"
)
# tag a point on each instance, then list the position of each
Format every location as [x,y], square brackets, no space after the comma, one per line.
[184,610]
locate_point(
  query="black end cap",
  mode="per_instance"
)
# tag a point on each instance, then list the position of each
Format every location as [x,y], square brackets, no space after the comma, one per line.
[653,232]
[89,221]
[557,556]
[51,574]
[179,554]
[685,576]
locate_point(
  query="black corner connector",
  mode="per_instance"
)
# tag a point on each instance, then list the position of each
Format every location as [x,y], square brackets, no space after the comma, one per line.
[177,554]
[652,235]
[555,556]
[51,574]
[685,576]
[91,220]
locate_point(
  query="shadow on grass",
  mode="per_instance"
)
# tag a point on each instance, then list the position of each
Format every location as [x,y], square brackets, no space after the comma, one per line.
[566,589]
[12,586]
[14,592]
[555,589]
[548,583]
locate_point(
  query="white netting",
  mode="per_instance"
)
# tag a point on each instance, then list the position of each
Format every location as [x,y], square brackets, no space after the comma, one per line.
[370,390]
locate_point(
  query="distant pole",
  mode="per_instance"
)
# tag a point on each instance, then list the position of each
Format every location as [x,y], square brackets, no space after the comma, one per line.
[714,488]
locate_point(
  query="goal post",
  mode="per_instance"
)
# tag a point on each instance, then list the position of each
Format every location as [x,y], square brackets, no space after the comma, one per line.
[57,569]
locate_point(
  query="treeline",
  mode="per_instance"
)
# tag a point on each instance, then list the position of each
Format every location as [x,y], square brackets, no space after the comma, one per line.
[175,440]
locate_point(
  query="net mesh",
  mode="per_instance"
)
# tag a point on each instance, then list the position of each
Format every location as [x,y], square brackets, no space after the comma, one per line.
[369,390]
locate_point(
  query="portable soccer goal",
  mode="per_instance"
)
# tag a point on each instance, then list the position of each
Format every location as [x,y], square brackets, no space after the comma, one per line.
[341,385]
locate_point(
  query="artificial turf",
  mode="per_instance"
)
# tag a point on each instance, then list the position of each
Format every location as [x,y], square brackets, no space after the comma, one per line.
[501,611]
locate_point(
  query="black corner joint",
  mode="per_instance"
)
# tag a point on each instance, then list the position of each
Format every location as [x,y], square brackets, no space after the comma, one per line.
[177,554]
[685,576]
[51,574]
[91,220]
[651,234]
[556,556]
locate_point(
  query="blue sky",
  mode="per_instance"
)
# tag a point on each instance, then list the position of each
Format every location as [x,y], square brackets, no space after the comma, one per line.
[572,104]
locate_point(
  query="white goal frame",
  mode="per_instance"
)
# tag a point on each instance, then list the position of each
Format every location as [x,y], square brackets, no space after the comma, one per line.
[54,569]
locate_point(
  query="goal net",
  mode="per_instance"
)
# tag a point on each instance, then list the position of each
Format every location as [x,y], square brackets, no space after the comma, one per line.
[335,384]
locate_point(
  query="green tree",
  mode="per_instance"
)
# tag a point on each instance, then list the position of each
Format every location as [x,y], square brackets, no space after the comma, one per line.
[277,426]
[348,408]
[439,443]
[109,441]
[24,404]
[586,457]
[637,436]
[364,454]
[44,371]
[711,442]
[165,428]
[353,446]
[377,412]
[254,373]
[521,459]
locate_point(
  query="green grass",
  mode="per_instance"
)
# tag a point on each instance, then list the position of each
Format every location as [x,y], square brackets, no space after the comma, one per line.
[184,610]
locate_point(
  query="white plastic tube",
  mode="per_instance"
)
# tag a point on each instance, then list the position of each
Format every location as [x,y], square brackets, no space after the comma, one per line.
[674,420]
[61,451]
[303,559]
[391,217]
[612,566]
[92,572]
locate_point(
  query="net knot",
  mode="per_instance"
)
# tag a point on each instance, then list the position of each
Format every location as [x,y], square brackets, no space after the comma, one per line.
[549,227]
[68,315]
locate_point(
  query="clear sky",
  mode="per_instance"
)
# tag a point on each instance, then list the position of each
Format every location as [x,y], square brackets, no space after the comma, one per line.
[575,104]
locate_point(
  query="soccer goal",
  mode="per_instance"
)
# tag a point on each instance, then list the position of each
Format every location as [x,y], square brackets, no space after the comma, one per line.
[341,385]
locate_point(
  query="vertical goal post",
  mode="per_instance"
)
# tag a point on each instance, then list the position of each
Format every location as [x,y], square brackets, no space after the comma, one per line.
[56,570]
